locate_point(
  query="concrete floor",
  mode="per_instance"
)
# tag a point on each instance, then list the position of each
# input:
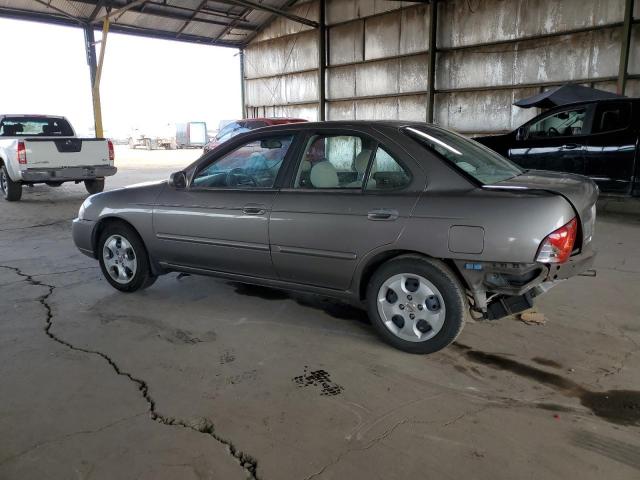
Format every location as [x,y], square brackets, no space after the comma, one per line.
[202,378]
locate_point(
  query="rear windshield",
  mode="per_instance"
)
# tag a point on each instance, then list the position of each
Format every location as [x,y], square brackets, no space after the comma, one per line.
[476,160]
[35,127]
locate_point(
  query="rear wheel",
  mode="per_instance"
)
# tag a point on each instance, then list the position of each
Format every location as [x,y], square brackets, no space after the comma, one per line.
[416,304]
[94,186]
[11,191]
[123,258]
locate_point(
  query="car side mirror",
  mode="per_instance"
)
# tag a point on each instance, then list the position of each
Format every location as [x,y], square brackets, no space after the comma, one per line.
[521,133]
[178,180]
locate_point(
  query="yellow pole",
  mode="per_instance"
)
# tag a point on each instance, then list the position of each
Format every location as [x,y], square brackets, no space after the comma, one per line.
[97,109]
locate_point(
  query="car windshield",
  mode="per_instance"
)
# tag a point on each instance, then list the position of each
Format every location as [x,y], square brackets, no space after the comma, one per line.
[35,127]
[481,163]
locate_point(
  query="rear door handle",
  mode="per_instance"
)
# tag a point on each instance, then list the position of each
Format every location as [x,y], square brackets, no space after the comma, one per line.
[253,209]
[382,214]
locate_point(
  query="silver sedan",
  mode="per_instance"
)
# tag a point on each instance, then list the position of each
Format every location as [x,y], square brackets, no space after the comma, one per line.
[411,221]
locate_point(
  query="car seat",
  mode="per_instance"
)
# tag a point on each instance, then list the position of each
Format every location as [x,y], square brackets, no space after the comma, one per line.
[360,163]
[324,175]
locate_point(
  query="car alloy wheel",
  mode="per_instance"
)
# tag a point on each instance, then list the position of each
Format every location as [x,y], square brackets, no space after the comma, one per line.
[120,259]
[411,307]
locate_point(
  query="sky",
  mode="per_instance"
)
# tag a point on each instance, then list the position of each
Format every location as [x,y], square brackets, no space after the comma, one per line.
[147,84]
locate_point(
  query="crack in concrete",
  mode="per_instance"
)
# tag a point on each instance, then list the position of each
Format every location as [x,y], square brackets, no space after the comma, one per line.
[38,225]
[205,426]
[387,433]
[49,274]
[67,436]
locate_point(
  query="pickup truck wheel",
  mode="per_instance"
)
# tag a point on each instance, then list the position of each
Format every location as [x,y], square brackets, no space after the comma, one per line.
[123,259]
[11,191]
[416,304]
[94,186]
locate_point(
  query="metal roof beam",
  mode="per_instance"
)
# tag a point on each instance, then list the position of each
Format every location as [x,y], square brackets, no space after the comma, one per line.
[164,11]
[193,16]
[119,11]
[275,11]
[60,11]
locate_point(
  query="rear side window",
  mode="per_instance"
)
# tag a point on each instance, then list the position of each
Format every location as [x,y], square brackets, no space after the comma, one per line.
[386,173]
[470,157]
[612,116]
[35,127]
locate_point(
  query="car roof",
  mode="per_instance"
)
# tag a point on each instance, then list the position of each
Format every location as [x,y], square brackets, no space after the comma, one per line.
[346,124]
[275,120]
[27,115]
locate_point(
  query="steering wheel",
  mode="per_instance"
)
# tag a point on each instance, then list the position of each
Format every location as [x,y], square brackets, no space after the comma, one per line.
[552,130]
[238,176]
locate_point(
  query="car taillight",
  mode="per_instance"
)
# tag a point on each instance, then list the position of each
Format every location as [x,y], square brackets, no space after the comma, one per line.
[112,153]
[21,153]
[558,245]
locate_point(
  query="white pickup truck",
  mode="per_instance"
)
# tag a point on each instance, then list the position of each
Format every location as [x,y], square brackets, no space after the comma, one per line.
[45,149]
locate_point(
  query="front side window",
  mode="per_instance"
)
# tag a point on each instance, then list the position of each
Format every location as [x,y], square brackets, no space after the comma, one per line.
[253,165]
[568,123]
[476,160]
[334,161]
[386,173]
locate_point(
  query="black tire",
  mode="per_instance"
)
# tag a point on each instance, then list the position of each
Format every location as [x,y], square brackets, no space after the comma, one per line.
[142,278]
[449,289]
[94,186]
[11,191]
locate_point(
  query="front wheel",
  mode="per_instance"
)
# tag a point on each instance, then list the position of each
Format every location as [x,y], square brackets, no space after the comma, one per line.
[416,304]
[123,258]
[11,191]
[94,186]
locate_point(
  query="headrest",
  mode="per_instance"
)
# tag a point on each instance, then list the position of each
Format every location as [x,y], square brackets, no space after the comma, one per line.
[324,175]
[10,130]
[362,160]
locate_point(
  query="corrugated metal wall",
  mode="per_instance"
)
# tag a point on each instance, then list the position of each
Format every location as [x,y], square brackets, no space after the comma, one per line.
[489,53]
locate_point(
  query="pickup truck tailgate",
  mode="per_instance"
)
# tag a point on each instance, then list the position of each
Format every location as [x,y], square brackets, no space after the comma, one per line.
[66,152]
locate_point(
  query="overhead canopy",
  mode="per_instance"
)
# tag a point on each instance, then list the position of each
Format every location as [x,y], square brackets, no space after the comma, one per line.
[230,23]
[569,93]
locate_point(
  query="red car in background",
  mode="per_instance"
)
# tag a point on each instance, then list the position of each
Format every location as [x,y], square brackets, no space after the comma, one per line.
[240,126]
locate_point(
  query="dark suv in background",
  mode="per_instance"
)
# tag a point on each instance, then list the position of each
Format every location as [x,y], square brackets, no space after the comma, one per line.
[598,139]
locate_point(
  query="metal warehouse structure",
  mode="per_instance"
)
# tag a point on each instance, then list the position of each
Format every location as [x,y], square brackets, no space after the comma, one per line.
[373,59]
[460,63]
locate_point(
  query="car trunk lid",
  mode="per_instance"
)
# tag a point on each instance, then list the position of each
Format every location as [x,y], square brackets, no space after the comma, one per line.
[580,191]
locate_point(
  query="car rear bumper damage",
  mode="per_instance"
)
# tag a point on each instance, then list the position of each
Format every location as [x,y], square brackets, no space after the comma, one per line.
[501,289]
[65,174]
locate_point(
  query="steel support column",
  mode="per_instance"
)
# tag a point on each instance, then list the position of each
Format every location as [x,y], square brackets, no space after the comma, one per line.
[322,62]
[431,68]
[625,46]
[96,73]
[242,82]
[90,47]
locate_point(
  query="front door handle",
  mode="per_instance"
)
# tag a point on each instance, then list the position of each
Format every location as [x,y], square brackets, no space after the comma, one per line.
[383,214]
[570,146]
[253,209]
